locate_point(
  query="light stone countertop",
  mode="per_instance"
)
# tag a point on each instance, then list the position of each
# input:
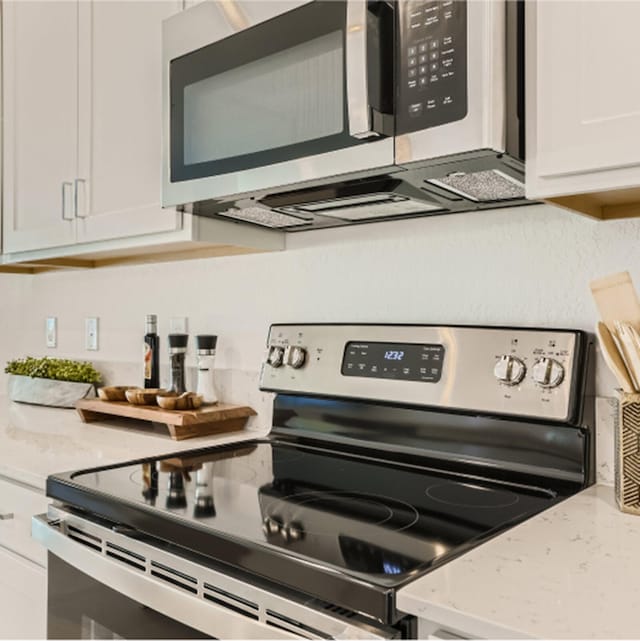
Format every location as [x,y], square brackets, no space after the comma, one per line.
[571,572]
[37,441]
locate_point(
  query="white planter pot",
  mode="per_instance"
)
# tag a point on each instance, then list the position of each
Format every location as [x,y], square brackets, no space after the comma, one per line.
[44,391]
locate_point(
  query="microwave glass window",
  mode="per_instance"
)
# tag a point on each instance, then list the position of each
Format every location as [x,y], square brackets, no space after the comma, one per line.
[289,97]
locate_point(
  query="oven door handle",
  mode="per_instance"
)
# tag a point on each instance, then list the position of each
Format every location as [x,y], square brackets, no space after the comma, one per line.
[358,107]
[140,586]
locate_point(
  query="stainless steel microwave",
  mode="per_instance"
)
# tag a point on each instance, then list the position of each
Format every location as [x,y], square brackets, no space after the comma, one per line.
[304,114]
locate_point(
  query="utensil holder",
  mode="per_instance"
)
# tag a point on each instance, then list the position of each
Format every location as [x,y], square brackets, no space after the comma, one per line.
[627,453]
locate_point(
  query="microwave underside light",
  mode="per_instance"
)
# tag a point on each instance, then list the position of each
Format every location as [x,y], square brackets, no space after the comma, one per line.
[364,207]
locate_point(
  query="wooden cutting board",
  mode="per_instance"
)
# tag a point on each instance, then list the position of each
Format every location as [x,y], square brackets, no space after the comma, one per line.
[182,424]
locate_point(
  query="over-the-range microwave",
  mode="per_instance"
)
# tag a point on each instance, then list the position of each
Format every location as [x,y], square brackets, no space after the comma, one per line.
[298,115]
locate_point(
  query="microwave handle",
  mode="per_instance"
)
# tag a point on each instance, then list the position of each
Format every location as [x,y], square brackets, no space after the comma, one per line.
[358,108]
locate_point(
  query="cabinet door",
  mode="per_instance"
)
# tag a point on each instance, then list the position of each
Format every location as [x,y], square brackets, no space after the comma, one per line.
[585,97]
[120,126]
[23,598]
[40,78]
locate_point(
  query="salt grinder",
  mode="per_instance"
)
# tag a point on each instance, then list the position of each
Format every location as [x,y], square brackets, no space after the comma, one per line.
[206,352]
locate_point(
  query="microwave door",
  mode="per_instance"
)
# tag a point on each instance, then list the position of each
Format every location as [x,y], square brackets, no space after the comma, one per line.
[259,95]
[452,79]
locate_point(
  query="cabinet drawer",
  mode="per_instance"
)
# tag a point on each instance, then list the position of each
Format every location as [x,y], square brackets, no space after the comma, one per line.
[23,598]
[17,505]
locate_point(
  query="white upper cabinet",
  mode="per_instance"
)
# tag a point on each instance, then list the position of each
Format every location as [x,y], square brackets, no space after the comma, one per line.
[40,124]
[120,119]
[583,103]
[82,100]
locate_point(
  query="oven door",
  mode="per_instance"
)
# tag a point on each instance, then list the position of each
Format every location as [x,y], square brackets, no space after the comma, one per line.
[112,582]
[259,95]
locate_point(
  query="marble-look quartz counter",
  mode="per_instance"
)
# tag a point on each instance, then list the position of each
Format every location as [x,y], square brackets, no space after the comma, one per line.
[38,441]
[570,572]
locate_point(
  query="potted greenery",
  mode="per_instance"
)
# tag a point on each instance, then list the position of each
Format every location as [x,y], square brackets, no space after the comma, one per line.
[55,382]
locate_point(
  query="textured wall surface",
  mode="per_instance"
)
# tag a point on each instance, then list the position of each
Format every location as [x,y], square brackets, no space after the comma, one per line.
[523,266]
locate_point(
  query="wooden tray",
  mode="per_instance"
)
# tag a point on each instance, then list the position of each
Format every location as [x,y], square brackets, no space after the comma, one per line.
[210,419]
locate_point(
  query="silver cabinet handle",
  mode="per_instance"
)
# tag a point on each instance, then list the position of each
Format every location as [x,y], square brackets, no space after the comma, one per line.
[6,516]
[76,199]
[356,67]
[65,185]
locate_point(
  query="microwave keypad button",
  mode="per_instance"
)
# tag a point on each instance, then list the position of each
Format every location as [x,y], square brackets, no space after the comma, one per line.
[422,48]
[413,61]
[433,66]
[422,70]
[423,81]
[422,59]
[412,72]
[435,43]
[415,109]
[446,41]
[431,104]
[433,56]
[447,100]
[447,62]
[412,51]
[412,84]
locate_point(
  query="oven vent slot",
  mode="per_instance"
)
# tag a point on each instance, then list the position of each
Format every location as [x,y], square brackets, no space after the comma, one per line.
[126,556]
[84,538]
[231,601]
[276,620]
[336,609]
[175,577]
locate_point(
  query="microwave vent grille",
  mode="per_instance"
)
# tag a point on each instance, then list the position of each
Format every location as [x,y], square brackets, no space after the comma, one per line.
[482,186]
[265,217]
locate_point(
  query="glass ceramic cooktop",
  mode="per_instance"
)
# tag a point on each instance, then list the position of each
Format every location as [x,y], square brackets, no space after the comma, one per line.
[365,517]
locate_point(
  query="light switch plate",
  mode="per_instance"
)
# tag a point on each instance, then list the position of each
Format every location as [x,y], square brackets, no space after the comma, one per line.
[91,333]
[51,331]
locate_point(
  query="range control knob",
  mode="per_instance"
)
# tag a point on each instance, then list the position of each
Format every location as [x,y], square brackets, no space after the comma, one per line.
[547,372]
[271,526]
[275,358]
[292,532]
[296,356]
[509,370]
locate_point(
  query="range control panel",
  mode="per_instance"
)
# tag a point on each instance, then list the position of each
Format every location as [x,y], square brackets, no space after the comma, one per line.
[432,59]
[515,371]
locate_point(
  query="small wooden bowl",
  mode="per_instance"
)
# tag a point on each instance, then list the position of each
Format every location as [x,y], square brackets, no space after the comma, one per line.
[191,401]
[138,396]
[114,393]
[167,400]
[186,401]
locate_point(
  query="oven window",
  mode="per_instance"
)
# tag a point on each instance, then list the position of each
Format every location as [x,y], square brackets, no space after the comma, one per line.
[287,98]
[271,93]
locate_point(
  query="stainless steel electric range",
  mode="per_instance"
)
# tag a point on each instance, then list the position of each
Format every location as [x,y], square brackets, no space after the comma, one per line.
[393,449]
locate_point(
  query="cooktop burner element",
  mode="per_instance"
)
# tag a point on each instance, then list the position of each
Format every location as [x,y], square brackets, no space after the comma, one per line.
[393,449]
[392,514]
[471,496]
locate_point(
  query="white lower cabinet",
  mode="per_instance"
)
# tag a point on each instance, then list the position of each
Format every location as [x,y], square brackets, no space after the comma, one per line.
[431,630]
[23,598]
[23,574]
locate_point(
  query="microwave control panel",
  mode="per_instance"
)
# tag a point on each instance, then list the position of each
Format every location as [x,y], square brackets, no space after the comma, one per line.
[432,59]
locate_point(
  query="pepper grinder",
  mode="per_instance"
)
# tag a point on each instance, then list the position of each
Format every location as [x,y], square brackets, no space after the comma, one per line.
[206,351]
[177,354]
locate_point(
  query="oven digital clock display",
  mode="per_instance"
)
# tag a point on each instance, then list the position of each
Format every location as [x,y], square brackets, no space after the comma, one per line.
[401,361]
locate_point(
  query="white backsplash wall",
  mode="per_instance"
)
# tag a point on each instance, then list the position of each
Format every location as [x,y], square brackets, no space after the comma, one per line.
[522,266]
